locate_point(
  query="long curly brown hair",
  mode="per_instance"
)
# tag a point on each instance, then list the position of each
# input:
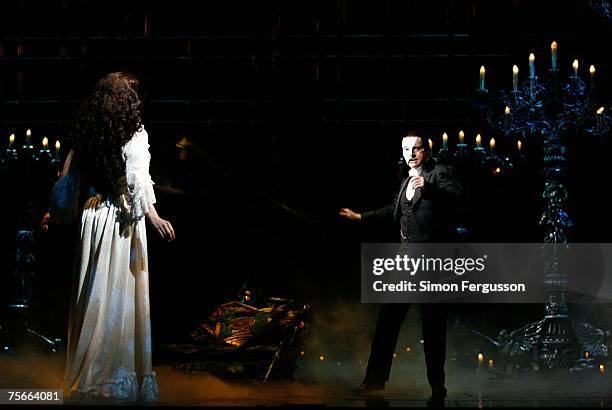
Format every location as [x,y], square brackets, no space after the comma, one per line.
[106,120]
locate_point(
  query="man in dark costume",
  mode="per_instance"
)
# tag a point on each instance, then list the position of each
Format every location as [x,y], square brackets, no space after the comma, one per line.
[423,209]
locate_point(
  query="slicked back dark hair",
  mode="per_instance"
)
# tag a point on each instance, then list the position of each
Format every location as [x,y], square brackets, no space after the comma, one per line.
[418,133]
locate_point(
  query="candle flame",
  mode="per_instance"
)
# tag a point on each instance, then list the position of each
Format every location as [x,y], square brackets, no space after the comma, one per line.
[478,139]
[575,64]
[45,142]
[11,138]
[515,69]
[491,363]
[461,134]
[482,70]
[57,145]
[602,369]
[408,349]
[497,170]
[302,353]
[507,110]
[321,358]
[519,144]
[480,357]
[531,57]
[586,354]
[394,355]
[492,143]
[600,110]
[553,46]
[445,137]
[430,144]
[592,69]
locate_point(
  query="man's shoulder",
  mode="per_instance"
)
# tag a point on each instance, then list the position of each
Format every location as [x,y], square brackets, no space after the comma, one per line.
[443,169]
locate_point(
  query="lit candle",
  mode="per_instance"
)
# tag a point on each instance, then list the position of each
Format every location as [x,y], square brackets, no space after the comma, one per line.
[11,140]
[430,144]
[445,140]
[515,78]
[478,141]
[321,358]
[492,144]
[602,369]
[575,67]
[480,359]
[598,119]
[482,77]
[507,117]
[519,144]
[461,137]
[29,137]
[45,143]
[531,66]
[57,148]
[592,77]
[408,349]
[491,363]
[553,54]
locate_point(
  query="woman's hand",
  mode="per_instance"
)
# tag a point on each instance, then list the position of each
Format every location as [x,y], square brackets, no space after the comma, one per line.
[44,224]
[164,228]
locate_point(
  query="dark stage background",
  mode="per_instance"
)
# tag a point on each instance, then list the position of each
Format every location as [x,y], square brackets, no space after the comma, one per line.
[287,111]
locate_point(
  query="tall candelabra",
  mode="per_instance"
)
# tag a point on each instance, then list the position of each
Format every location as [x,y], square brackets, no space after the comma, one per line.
[555,111]
[26,172]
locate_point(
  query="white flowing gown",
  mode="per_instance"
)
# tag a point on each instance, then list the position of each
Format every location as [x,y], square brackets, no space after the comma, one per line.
[109,336]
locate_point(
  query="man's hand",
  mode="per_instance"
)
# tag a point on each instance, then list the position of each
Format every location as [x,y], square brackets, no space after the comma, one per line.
[350,214]
[44,224]
[417,182]
[164,228]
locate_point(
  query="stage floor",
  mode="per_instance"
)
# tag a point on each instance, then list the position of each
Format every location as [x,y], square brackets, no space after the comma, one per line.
[330,385]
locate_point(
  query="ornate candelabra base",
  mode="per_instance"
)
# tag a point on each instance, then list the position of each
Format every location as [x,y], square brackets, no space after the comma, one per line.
[17,331]
[555,342]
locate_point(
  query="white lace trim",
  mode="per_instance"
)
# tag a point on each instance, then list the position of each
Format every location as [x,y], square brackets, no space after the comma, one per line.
[149,390]
[142,197]
[139,183]
[124,389]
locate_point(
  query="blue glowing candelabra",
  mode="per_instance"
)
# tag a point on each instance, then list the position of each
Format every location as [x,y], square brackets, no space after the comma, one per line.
[554,111]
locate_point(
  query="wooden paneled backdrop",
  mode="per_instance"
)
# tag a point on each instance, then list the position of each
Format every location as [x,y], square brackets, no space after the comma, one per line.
[284,92]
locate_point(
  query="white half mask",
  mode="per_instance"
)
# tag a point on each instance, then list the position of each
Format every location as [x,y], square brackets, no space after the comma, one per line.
[407,144]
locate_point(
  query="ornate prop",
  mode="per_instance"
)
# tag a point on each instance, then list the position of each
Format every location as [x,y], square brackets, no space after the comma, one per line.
[25,170]
[239,340]
[555,111]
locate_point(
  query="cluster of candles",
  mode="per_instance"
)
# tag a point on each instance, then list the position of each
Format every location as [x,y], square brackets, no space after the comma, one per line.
[532,75]
[599,120]
[322,356]
[478,140]
[28,144]
[480,358]
[602,367]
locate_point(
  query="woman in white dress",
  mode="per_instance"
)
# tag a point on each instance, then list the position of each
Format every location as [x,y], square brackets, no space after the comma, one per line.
[107,169]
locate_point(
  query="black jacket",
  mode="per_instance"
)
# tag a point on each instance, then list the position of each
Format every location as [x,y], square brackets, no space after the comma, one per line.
[434,207]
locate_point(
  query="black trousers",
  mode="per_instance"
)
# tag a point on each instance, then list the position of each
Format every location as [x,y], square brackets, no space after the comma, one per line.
[390,318]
